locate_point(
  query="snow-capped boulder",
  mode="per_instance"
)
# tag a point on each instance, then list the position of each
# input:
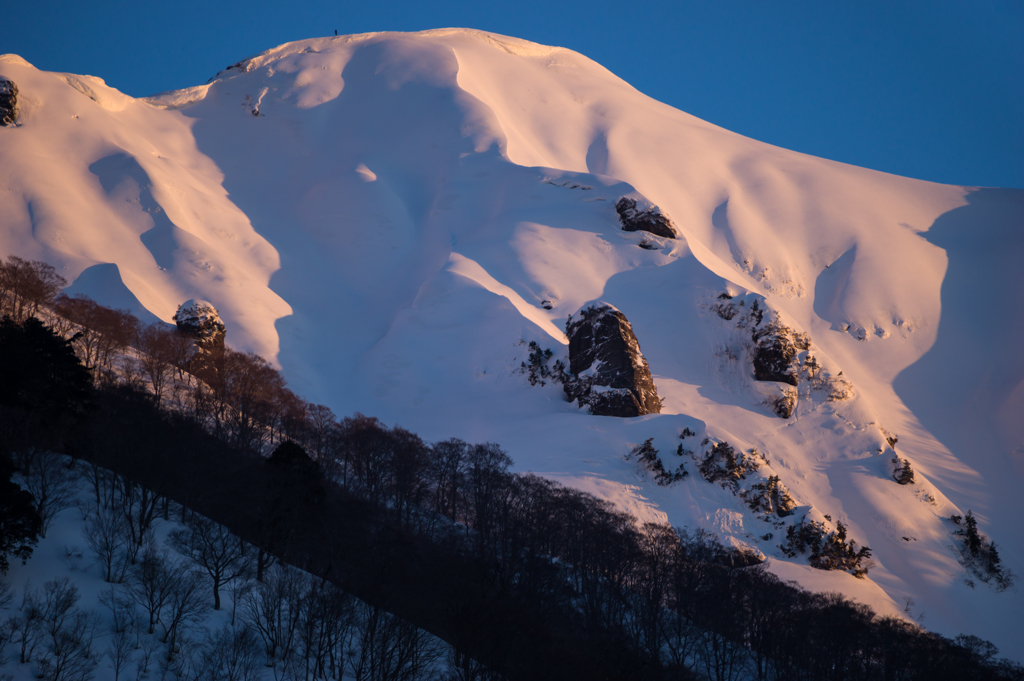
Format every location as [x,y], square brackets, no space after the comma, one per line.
[8,101]
[199,319]
[607,371]
[637,219]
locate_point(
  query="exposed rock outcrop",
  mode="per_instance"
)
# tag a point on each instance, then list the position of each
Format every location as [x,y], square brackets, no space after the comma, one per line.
[200,320]
[607,371]
[784,404]
[781,357]
[775,352]
[8,101]
[636,219]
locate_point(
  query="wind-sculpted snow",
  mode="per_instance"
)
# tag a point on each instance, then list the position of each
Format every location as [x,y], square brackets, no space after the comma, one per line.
[93,177]
[393,218]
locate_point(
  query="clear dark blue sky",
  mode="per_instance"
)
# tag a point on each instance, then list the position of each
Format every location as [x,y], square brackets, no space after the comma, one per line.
[933,90]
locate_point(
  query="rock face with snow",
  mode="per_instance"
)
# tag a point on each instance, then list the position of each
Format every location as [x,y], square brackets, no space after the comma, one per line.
[774,356]
[775,353]
[8,101]
[607,371]
[635,219]
[200,320]
[779,355]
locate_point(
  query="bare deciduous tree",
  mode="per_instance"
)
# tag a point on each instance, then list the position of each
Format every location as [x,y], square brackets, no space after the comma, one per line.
[101,481]
[120,652]
[239,588]
[322,423]
[69,633]
[389,648]
[185,607]
[51,481]
[150,583]
[107,536]
[146,650]
[139,507]
[215,549]
[231,654]
[27,285]
[124,631]
[26,629]
[486,472]
[158,353]
[103,332]
[325,622]
[252,389]
[273,609]
[448,474]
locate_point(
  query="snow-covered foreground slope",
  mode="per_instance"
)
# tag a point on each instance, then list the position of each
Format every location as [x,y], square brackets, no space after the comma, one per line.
[84,565]
[397,217]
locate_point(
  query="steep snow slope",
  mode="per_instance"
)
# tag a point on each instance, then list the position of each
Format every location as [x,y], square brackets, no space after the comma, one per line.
[390,216]
[92,177]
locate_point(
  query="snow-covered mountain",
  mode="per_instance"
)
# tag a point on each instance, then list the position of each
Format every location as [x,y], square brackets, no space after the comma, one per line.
[393,218]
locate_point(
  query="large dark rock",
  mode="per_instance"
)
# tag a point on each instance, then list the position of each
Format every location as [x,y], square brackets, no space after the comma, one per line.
[8,101]
[607,371]
[200,320]
[635,219]
[775,353]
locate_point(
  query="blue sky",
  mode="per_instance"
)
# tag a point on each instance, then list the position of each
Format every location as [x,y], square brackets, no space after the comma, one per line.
[933,90]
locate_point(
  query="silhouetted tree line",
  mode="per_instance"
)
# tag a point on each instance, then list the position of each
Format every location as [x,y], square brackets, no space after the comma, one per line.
[26,287]
[529,578]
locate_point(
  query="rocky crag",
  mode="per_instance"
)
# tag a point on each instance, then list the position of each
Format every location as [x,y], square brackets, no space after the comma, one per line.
[199,320]
[8,101]
[636,219]
[607,371]
[780,354]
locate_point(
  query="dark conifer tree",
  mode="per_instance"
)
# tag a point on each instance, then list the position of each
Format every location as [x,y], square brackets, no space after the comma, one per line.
[39,372]
[972,536]
[994,562]
[20,523]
